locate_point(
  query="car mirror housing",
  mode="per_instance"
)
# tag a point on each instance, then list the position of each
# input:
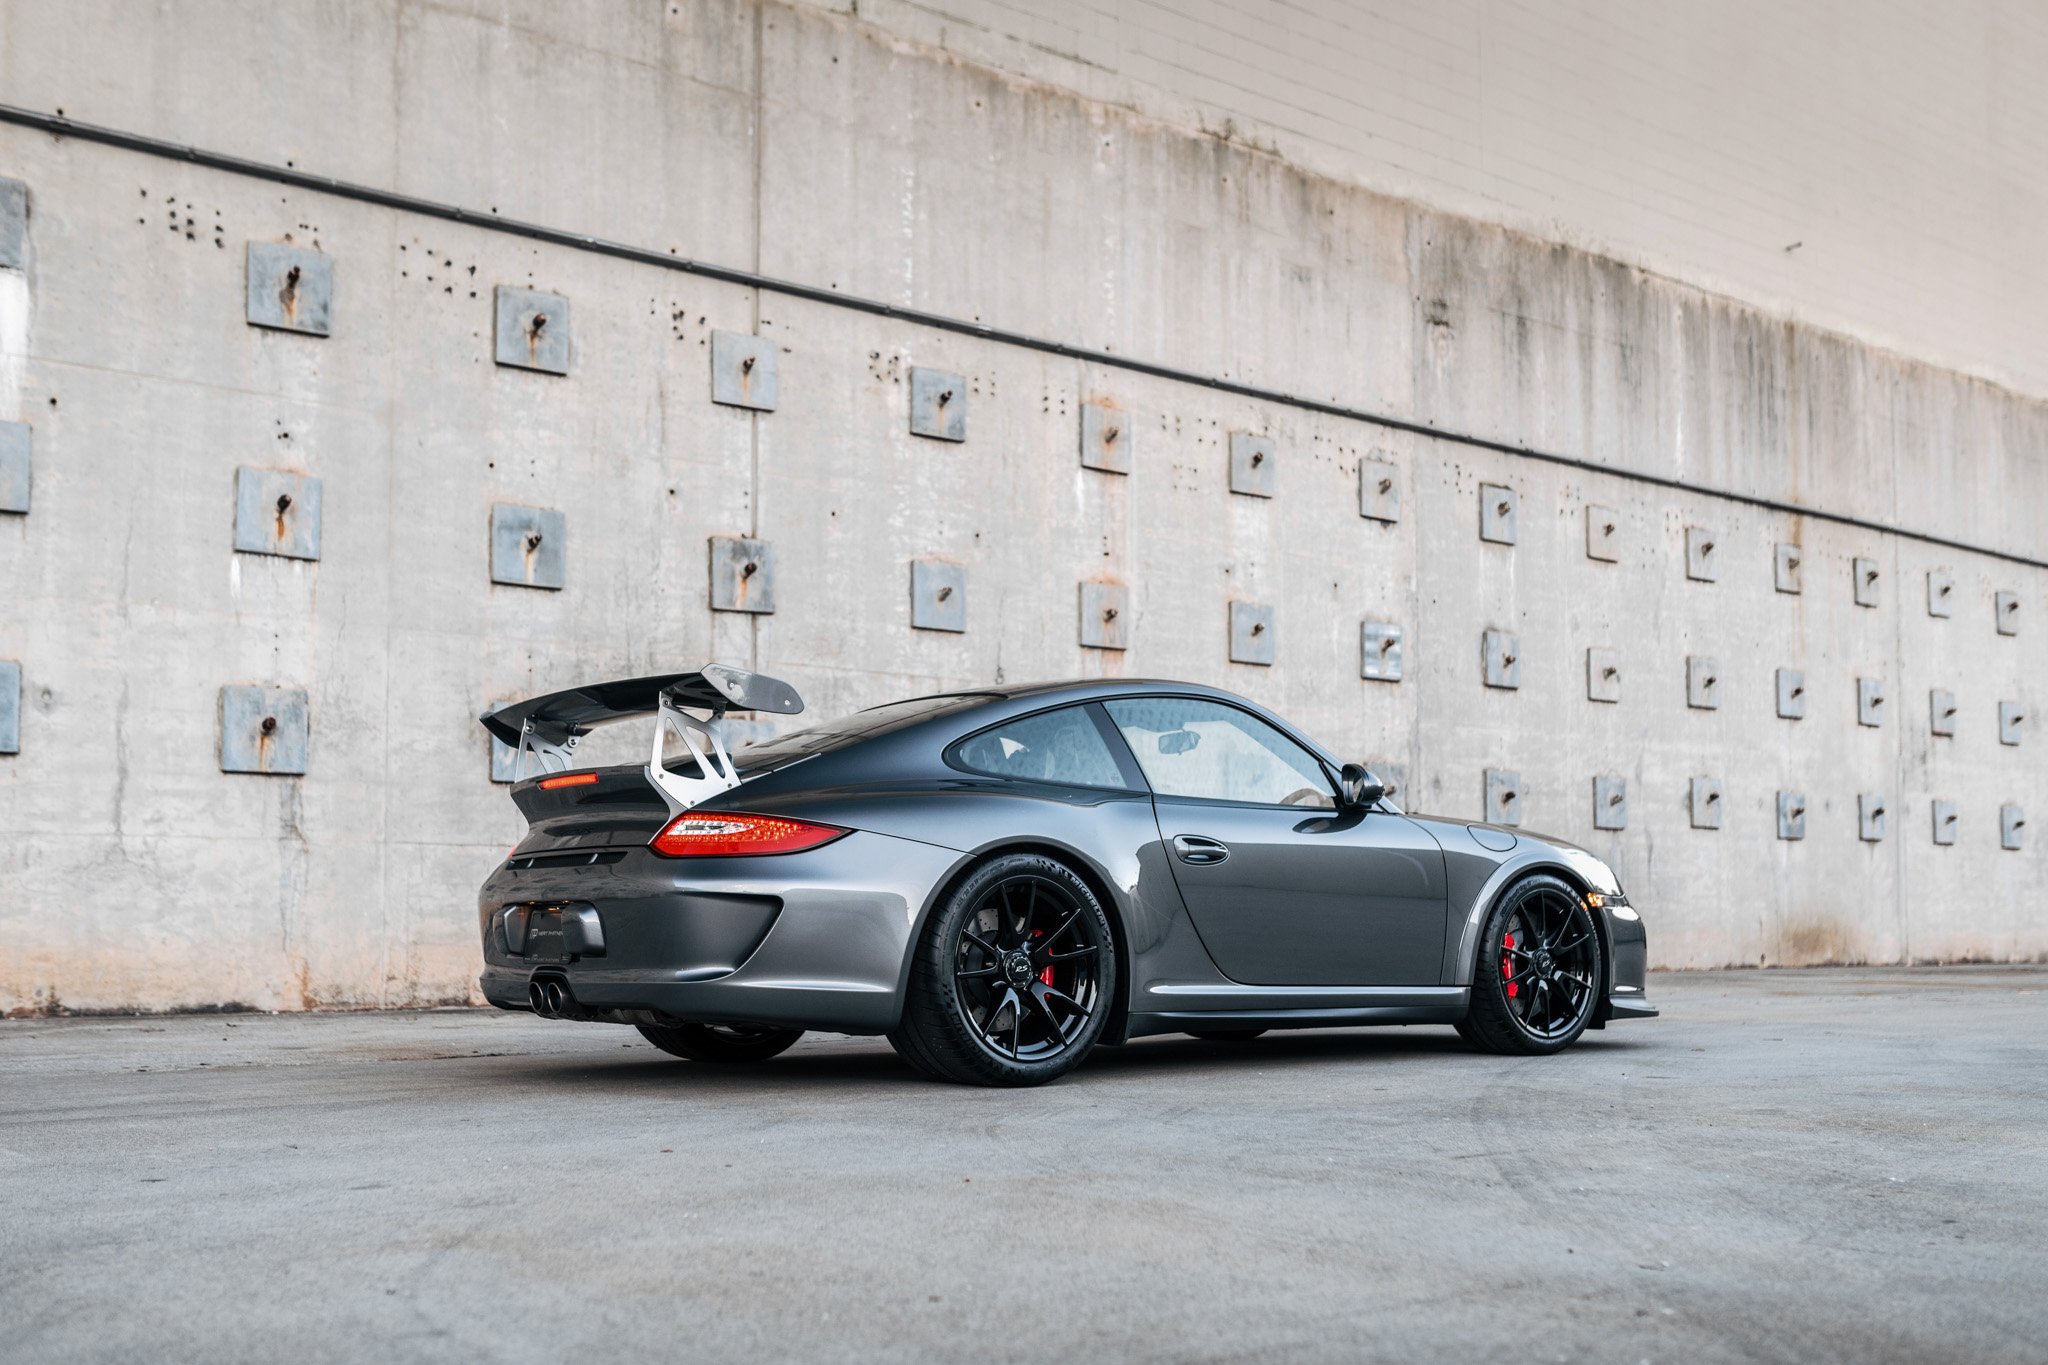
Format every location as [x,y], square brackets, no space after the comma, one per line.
[1360,787]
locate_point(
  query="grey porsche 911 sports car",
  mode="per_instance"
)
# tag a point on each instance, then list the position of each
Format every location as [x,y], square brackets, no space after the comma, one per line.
[1001,879]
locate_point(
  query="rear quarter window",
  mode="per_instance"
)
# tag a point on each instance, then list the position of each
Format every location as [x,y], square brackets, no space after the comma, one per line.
[1062,747]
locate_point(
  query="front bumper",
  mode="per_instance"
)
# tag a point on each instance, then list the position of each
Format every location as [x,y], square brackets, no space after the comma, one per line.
[1628,951]
[815,940]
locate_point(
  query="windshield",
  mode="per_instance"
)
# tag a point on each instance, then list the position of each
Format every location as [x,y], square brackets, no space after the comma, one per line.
[837,734]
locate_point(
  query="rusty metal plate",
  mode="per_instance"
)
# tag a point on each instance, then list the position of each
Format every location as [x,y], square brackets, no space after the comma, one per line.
[1501,659]
[13,224]
[529,546]
[263,730]
[10,706]
[15,442]
[1610,803]
[1785,569]
[1870,702]
[533,330]
[938,595]
[1251,633]
[277,512]
[1497,507]
[2005,611]
[1603,534]
[1107,438]
[1251,464]
[742,575]
[2012,824]
[1380,652]
[1945,822]
[1702,682]
[1791,815]
[1603,675]
[1791,694]
[1702,554]
[1864,581]
[1708,808]
[291,288]
[1870,817]
[1105,616]
[1941,592]
[1503,797]
[2010,717]
[743,371]
[1941,711]
[1379,490]
[938,404]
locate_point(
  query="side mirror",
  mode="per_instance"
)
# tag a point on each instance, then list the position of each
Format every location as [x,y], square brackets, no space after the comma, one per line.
[1361,788]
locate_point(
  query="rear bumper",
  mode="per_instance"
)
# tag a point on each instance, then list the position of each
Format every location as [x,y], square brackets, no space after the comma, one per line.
[816,940]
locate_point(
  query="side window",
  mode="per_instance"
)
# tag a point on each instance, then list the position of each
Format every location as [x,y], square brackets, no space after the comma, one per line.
[1190,747]
[1054,746]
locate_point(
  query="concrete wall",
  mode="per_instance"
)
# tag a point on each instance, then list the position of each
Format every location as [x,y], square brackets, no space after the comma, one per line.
[136,873]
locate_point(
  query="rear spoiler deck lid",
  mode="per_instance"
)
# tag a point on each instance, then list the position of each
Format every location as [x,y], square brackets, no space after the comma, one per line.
[577,711]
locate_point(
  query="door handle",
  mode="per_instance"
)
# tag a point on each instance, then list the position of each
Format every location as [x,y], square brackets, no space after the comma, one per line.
[1193,848]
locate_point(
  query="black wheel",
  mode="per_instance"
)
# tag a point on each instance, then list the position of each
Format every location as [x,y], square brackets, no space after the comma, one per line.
[1225,1035]
[720,1042]
[1012,980]
[1539,971]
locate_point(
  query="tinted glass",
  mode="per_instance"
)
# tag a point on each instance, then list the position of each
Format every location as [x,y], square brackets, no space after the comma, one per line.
[837,734]
[1189,747]
[1054,746]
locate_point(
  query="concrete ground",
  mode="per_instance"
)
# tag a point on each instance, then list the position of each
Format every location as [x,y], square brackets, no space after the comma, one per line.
[1805,1165]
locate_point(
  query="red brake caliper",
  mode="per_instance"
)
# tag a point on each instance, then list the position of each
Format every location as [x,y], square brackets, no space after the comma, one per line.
[1507,964]
[1046,975]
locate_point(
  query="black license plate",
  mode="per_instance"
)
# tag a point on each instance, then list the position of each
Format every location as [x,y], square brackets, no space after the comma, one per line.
[543,936]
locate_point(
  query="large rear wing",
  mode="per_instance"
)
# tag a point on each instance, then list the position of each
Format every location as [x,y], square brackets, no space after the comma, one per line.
[544,730]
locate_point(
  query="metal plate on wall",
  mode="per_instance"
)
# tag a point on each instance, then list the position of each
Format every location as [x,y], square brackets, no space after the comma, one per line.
[1106,438]
[532,330]
[10,706]
[743,371]
[529,546]
[938,404]
[1105,616]
[1791,815]
[1501,659]
[13,224]
[1791,693]
[938,595]
[1865,581]
[1945,822]
[2012,825]
[1870,817]
[1941,712]
[1603,534]
[1251,464]
[1870,701]
[2010,718]
[1379,490]
[1380,652]
[15,442]
[1610,803]
[2005,610]
[1707,806]
[290,288]
[1497,506]
[263,730]
[742,575]
[277,512]
[1702,683]
[1503,797]
[1786,564]
[1603,675]
[1251,633]
[1702,554]
[1941,592]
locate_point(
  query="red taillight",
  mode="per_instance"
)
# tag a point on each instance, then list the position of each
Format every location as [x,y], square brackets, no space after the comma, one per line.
[723,835]
[548,784]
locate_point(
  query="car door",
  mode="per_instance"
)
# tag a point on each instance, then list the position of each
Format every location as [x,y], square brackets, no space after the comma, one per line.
[1284,888]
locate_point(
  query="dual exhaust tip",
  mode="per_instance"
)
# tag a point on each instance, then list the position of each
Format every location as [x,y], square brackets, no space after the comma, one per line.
[550,999]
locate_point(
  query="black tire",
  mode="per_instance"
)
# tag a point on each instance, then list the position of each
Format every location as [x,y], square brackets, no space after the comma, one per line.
[1225,1035]
[720,1042]
[1013,978]
[1538,977]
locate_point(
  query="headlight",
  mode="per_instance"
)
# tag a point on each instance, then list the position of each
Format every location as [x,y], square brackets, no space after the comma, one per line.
[1598,875]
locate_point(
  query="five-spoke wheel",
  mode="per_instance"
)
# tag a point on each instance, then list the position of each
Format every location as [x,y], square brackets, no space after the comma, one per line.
[1538,977]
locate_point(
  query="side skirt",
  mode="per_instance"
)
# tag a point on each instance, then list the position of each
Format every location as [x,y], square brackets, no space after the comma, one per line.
[1182,1021]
